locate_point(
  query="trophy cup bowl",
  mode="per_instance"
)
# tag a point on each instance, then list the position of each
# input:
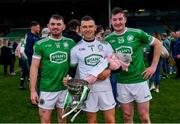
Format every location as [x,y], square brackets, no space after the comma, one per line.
[75,88]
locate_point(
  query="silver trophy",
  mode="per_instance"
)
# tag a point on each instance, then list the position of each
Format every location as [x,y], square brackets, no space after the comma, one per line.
[75,88]
[77,93]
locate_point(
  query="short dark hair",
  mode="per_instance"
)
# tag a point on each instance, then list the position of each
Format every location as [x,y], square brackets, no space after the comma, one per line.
[116,10]
[34,23]
[99,29]
[73,24]
[57,17]
[87,18]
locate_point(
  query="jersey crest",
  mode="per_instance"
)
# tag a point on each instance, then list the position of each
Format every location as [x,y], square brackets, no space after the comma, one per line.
[130,38]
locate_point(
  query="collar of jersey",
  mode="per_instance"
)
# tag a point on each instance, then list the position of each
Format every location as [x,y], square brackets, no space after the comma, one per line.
[121,33]
[55,39]
[89,42]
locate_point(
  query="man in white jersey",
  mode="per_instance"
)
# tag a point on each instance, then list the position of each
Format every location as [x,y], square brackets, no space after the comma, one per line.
[132,84]
[87,54]
[51,57]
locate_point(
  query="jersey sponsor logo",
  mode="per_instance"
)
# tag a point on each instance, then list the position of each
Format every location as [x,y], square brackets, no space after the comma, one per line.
[93,59]
[147,96]
[58,57]
[82,49]
[48,45]
[125,49]
[112,41]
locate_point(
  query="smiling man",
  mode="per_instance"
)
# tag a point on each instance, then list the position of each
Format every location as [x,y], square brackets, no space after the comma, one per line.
[51,56]
[87,54]
[132,84]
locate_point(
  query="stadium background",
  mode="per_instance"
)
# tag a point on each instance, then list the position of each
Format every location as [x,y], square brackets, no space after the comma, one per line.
[152,15]
[15,16]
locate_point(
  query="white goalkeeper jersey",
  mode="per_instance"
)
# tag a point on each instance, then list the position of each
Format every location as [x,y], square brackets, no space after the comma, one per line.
[87,55]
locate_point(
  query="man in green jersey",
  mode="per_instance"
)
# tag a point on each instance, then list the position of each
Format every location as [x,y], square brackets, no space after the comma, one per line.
[51,56]
[132,84]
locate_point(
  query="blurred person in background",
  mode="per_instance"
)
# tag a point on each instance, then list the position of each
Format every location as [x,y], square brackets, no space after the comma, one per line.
[107,31]
[176,54]
[165,62]
[23,63]
[156,77]
[99,33]
[13,58]
[73,30]
[172,64]
[6,56]
[31,38]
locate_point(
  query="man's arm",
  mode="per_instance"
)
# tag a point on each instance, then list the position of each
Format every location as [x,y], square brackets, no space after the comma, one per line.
[157,51]
[33,80]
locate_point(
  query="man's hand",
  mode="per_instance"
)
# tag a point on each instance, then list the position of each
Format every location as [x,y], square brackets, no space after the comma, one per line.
[116,62]
[103,75]
[34,98]
[65,80]
[91,79]
[148,73]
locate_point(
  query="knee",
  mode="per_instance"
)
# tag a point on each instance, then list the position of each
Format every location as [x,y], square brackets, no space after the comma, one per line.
[91,121]
[128,117]
[145,118]
[45,120]
[110,120]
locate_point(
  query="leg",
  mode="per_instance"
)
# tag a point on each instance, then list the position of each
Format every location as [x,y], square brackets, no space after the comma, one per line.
[158,78]
[59,116]
[143,109]
[91,117]
[45,115]
[128,112]
[151,80]
[24,73]
[5,70]
[178,67]
[109,116]
[114,84]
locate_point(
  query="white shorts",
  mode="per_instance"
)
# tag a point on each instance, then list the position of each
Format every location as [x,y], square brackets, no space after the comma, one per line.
[103,100]
[48,100]
[138,92]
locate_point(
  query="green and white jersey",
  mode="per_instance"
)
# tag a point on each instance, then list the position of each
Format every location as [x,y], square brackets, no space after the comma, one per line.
[131,42]
[89,54]
[55,60]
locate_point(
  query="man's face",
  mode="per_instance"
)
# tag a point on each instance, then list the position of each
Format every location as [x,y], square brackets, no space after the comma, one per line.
[88,29]
[36,29]
[56,27]
[118,22]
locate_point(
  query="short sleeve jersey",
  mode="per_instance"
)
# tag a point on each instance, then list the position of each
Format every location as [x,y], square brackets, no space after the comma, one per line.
[87,55]
[55,60]
[131,42]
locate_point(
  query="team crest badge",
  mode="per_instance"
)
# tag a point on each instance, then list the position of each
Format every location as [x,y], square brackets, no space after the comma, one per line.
[130,38]
[66,44]
[41,101]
